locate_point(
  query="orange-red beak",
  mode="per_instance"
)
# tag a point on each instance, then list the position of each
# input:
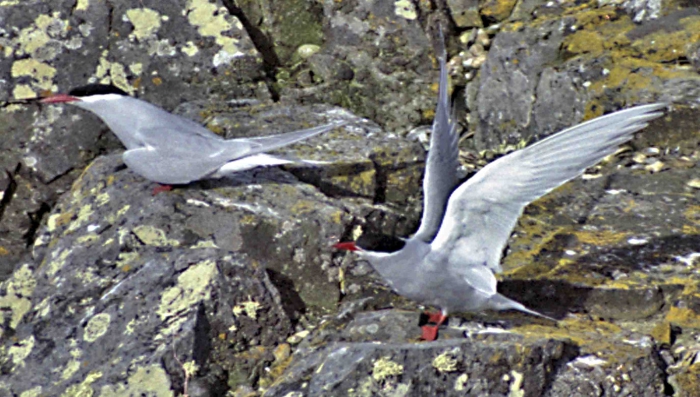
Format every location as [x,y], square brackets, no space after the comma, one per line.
[59,98]
[348,246]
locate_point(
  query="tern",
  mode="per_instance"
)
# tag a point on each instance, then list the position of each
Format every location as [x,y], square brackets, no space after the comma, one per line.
[451,261]
[172,150]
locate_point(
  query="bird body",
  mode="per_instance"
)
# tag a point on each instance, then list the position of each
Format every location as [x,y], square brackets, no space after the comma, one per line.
[170,149]
[451,261]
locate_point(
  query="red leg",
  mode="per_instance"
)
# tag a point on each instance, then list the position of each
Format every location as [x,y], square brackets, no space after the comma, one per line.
[162,188]
[435,318]
[430,330]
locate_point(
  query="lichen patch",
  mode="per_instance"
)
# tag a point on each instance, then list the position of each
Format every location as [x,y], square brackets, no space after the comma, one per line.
[192,287]
[96,327]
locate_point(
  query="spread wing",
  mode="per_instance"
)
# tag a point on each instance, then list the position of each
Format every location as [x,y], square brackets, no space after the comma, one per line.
[482,212]
[441,167]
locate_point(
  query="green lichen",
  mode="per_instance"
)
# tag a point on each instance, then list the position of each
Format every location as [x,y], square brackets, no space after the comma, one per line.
[84,215]
[19,289]
[83,389]
[250,308]
[516,386]
[33,392]
[41,73]
[145,20]
[445,362]
[96,327]
[405,9]
[461,382]
[151,235]
[210,22]
[149,381]
[384,368]
[21,350]
[192,287]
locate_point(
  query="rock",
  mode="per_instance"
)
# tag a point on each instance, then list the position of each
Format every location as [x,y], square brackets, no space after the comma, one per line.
[195,271]
[133,315]
[375,60]
[567,68]
[370,355]
[164,53]
[465,13]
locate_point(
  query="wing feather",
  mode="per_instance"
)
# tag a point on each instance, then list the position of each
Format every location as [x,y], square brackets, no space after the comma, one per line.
[441,166]
[482,212]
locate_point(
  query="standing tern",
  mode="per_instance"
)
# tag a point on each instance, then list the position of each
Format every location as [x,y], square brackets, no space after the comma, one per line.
[451,261]
[172,150]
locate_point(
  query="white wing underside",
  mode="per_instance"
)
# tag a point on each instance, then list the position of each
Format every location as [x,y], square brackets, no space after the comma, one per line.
[482,212]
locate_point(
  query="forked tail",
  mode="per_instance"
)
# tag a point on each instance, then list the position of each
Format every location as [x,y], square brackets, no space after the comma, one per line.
[500,302]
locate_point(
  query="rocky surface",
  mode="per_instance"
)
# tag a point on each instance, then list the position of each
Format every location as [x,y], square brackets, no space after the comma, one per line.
[230,287]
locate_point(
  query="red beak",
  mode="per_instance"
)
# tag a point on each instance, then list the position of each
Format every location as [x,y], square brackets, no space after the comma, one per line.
[59,98]
[349,246]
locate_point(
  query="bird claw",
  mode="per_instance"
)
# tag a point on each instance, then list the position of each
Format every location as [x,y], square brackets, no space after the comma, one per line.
[161,188]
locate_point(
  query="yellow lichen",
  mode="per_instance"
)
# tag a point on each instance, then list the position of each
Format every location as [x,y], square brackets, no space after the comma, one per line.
[42,73]
[84,215]
[461,382]
[384,368]
[250,308]
[23,91]
[21,350]
[96,327]
[190,49]
[405,9]
[84,388]
[516,386]
[33,392]
[145,20]
[151,235]
[148,381]
[192,287]
[210,22]
[445,362]
[684,317]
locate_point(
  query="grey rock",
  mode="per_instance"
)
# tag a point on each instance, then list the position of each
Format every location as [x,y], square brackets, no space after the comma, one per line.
[369,355]
[162,52]
[642,10]
[508,85]
[133,315]
[465,13]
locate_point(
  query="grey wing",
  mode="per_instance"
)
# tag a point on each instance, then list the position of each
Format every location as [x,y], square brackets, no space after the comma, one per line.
[482,212]
[441,166]
[170,168]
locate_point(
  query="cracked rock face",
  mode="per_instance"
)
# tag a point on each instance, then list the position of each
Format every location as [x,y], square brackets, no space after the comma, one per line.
[217,273]
[231,287]
[166,53]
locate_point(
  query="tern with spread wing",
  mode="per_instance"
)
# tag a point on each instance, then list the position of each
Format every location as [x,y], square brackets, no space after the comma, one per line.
[172,150]
[451,261]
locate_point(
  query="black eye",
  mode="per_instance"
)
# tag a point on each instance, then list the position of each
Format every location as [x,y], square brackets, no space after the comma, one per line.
[378,242]
[95,89]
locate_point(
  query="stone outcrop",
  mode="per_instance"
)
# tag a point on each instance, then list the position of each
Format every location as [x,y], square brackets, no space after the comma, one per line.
[231,287]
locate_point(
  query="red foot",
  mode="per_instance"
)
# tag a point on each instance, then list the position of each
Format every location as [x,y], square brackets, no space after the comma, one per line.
[161,188]
[435,318]
[430,330]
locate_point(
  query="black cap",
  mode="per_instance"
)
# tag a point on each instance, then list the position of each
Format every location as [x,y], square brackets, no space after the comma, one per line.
[95,89]
[378,242]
